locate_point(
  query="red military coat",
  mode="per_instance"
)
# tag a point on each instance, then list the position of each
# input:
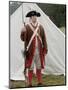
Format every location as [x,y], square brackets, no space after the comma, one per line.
[26,36]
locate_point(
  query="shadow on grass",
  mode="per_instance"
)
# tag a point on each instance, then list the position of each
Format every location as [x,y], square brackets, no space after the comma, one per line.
[48,80]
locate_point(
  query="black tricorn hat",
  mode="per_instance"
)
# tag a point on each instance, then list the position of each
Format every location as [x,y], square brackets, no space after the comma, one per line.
[33,13]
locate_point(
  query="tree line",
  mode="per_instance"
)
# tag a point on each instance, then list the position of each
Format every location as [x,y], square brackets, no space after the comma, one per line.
[56,12]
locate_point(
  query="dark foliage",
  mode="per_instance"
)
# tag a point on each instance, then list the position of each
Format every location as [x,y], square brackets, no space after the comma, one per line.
[56,12]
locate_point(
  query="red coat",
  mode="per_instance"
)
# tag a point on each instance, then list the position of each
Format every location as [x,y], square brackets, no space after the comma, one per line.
[26,36]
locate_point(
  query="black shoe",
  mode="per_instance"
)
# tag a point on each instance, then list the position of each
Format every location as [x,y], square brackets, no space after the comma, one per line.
[29,85]
[39,84]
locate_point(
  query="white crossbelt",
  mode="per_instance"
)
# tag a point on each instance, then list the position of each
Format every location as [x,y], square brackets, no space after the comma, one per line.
[35,33]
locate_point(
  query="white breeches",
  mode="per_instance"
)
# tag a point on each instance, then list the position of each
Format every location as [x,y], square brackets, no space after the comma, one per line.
[36,60]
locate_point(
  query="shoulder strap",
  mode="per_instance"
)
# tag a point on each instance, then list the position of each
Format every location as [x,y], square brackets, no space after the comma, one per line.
[34,30]
[32,37]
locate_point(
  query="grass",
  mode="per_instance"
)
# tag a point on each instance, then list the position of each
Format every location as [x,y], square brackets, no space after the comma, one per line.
[62,29]
[48,80]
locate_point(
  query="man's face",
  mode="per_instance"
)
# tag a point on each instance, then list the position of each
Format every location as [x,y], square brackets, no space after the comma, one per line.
[34,19]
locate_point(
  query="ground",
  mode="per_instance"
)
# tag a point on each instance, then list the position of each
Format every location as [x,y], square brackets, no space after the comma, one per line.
[48,80]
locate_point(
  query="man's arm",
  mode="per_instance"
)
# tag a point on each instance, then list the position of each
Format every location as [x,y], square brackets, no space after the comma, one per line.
[23,34]
[44,41]
[23,37]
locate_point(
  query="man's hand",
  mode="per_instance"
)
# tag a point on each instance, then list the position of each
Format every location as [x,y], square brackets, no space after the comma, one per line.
[26,53]
[45,51]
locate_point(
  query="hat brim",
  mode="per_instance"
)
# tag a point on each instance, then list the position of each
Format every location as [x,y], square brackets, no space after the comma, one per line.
[33,14]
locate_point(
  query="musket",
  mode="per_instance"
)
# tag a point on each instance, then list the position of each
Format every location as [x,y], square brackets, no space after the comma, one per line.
[25,69]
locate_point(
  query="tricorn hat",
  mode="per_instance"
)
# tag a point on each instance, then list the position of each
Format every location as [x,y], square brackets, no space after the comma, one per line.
[33,13]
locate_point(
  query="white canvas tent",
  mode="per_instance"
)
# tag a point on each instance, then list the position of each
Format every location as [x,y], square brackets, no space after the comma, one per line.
[55,59]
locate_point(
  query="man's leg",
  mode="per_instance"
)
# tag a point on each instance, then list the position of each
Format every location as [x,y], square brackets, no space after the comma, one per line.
[39,76]
[30,74]
[38,67]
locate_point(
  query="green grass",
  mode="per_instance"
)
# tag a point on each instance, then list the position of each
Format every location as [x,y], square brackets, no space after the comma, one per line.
[62,29]
[48,80]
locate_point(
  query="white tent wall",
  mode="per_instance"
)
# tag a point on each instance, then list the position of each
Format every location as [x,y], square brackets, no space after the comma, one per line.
[55,59]
[16,45]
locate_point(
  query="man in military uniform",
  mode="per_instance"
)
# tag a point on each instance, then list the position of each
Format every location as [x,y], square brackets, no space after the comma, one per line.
[33,35]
